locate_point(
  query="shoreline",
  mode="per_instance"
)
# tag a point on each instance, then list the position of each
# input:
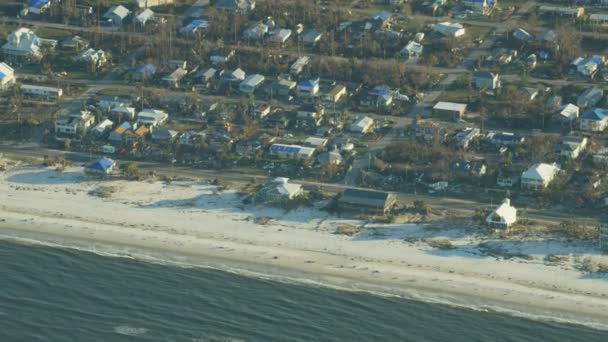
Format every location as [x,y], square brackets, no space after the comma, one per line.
[191,223]
[427,287]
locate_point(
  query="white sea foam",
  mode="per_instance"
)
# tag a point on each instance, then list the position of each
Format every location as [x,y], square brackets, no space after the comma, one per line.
[129,330]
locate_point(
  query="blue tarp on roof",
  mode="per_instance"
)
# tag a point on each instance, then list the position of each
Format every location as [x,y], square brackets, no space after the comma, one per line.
[380,91]
[197,23]
[596,60]
[146,69]
[2,75]
[284,149]
[382,17]
[308,83]
[595,114]
[37,3]
[102,164]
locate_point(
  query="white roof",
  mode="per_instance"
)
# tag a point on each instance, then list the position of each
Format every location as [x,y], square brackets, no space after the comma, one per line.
[6,70]
[451,106]
[120,10]
[23,40]
[541,171]
[413,46]
[144,16]
[506,213]
[306,151]
[314,141]
[152,116]
[289,189]
[569,111]
[253,80]
[364,122]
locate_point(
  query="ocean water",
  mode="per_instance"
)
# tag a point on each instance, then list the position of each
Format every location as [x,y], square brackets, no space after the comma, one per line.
[57,294]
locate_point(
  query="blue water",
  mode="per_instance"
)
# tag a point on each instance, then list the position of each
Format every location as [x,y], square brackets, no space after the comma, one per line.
[56,294]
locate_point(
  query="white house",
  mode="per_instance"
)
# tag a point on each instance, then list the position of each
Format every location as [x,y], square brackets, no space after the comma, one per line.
[175,77]
[71,123]
[594,120]
[539,176]
[251,83]
[504,216]
[279,190]
[22,43]
[48,92]
[298,66]
[449,29]
[568,112]
[116,15]
[363,125]
[571,146]
[144,17]
[7,76]
[152,117]
[413,49]
[91,56]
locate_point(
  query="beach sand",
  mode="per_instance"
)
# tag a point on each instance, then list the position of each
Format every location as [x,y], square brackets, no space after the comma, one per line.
[192,223]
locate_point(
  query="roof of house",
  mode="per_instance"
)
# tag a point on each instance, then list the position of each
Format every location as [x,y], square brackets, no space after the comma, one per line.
[148,69]
[365,197]
[119,10]
[253,80]
[595,114]
[450,106]
[308,83]
[101,164]
[569,110]
[37,3]
[505,211]
[484,74]
[237,74]
[382,17]
[329,157]
[540,171]
[5,70]
[144,16]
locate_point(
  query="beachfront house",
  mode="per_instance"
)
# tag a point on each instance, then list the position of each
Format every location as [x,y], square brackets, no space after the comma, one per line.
[7,76]
[22,44]
[102,166]
[366,201]
[278,190]
[539,176]
[74,123]
[504,216]
[151,117]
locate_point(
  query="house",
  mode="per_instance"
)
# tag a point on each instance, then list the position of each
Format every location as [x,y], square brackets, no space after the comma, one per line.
[450,110]
[315,142]
[547,36]
[234,76]
[413,49]
[71,124]
[335,94]
[298,66]
[144,17]
[465,168]
[163,135]
[291,151]
[529,93]
[380,97]
[486,80]
[22,43]
[101,128]
[194,28]
[330,158]
[531,61]
[174,78]
[423,129]
[522,35]
[504,216]
[507,178]
[594,120]
[600,157]
[151,117]
[75,43]
[116,15]
[367,201]
[449,29]
[362,125]
[206,76]
[7,76]
[587,67]
[539,176]
[47,92]
[144,72]
[596,18]
[152,3]
[136,136]
[419,37]
[308,88]
[255,31]
[309,116]
[236,6]
[284,86]
[590,97]
[485,6]
[311,37]
[118,134]
[574,12]
[262,110]
[122,112]
[381,20]
[251,83]
[98,58]
[568,113]
[197,10]
[177,64]
[554,102]
[38,6]
[465,136]
[280,36]
[102,166]
[571,146]
[504,138]
[278,190]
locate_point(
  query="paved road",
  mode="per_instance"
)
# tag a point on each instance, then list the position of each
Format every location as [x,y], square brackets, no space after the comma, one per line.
[439,203]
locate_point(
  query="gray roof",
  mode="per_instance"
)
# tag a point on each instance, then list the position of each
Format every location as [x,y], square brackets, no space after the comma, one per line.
[365,198]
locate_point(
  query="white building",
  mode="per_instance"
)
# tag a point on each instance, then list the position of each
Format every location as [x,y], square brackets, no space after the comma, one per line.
[504,216]
[413,49]
[152,3]
[298,66]
[91,56]
[251,83]
[363,125]
[144,17]
[152,117]
[70,124]
[539,176]
[279,190]
[116,15]
[308,88]
[22,43]
[450,29]
[48,92]
[568,112]
[7,76]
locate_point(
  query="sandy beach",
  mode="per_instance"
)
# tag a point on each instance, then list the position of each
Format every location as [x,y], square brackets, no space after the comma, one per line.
[193,223]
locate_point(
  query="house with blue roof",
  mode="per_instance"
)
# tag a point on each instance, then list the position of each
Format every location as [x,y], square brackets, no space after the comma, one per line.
[7,76]
[195,27]
[102,166]
[381,19]
[38,6]
[594,120]
[291,151]
[308,88]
